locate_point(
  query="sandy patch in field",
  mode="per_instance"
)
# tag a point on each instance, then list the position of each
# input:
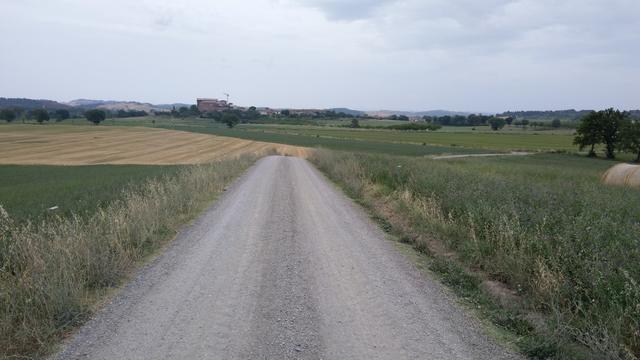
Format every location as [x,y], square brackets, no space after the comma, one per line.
[86,145]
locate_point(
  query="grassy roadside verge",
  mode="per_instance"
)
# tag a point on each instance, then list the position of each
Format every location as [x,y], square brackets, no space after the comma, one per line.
[52,274]
[538,245]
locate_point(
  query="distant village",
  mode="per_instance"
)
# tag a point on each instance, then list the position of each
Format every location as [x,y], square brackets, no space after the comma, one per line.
[206,105]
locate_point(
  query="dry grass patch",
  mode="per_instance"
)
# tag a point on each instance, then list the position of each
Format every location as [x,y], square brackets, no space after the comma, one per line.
[88,145]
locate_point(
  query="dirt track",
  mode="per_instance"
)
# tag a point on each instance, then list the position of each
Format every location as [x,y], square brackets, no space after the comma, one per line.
[88,145]
[461,156]
[282,267]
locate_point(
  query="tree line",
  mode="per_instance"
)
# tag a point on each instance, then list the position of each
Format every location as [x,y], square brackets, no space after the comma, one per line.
[616,130]
[96,116]
[42,115]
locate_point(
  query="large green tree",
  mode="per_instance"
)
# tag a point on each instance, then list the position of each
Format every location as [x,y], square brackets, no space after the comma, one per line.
[251,113]
[95,116]
[611,122]
[8,115]
[230,119]
[630,138]
[62,114]
[41,115]
[497,123]
[589,132]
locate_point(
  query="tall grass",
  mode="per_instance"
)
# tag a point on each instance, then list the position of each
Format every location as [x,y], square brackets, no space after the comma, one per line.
[53,272]
[545,226]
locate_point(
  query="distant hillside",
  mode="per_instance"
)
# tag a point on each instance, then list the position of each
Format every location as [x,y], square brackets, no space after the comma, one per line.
[567,115]
[348,111]
[171,106]
[85,103]
[31,104]
[122,105]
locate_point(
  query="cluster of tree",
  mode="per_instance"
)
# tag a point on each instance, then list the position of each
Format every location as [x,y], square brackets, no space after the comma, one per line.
[185,112]
[496,122]
[547,115]
[399,117]
[232,117]
[555,123]
[470,120]
[543,117]
[617,130]
[414,126]
[96,116]
[324,114]
[331,114]
[130,113]
[40,115]
[8,115]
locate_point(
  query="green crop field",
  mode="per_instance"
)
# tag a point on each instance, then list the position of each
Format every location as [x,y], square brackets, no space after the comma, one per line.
[333,135]
[509,139]
[27,191]
[322,141]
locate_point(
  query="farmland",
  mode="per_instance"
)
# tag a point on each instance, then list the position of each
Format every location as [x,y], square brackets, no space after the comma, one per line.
[332,134]
[509,139]
[98,163]
[27,192]
[317,141]
[87,145]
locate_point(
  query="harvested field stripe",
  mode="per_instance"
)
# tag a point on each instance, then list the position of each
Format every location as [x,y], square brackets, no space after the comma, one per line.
[80,145]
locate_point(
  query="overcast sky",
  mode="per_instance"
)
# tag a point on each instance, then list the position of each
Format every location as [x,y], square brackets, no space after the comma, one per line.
[467,55]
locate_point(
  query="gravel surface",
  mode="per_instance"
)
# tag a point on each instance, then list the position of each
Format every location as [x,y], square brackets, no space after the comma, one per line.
[283,266]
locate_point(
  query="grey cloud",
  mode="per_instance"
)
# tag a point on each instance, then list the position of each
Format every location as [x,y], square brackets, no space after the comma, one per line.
[163,22]
[346,10]
[544,28]
[537,26]
[521,53]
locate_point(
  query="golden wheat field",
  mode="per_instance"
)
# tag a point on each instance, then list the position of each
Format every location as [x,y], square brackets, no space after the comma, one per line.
[86,145]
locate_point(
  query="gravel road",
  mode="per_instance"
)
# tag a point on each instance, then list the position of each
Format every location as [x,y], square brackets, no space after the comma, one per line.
[283,266]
